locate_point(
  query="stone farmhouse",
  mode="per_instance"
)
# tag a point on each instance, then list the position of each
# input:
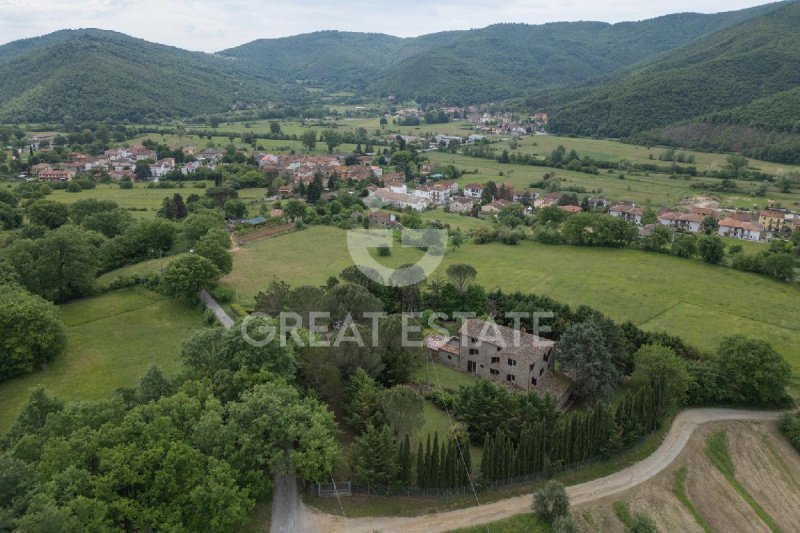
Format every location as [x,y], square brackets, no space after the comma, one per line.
[512,357]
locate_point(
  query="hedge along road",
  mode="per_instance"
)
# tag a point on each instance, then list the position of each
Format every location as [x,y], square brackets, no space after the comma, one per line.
[682,428]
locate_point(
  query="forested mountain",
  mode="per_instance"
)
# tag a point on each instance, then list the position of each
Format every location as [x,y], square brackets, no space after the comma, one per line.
[331,59]
[747,74]
[497,62]
[94,74]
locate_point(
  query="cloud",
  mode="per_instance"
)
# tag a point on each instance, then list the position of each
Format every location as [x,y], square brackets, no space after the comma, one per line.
[212,25]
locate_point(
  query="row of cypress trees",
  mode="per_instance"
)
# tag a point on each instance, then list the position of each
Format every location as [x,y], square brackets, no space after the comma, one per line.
[443,465]
[579,436]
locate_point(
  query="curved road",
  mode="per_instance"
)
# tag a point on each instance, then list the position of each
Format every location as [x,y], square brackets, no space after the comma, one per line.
[682,428]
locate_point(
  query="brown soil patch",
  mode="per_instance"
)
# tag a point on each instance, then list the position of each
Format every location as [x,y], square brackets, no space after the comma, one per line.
[769,469]
[766,466]
[263,233]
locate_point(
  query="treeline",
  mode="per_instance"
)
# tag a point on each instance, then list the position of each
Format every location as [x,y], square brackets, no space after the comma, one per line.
[572,161]
[575,438]
[189,453]
[551,225]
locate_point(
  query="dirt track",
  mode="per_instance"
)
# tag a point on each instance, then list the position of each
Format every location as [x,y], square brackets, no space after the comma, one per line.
[675,440]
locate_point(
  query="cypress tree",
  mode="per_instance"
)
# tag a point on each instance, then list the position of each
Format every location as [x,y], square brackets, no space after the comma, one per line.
[420,466]
[433,463]
[404,462]
[444,465]
[487,459]
[467,457]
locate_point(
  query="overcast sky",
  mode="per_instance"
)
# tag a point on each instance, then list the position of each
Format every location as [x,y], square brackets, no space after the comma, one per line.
[213,25]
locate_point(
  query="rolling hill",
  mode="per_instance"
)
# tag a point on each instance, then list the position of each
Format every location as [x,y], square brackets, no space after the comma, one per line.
[94,74]
[747,74]
[493,63]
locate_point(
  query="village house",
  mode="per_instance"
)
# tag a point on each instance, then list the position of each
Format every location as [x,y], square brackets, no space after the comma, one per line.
[549,199]
[526,196]
[382,219]
[399,199]
[56,175]
[690,222]
[628,212]
[437,194]
[460,205]
[40,168]
[730,227]
[210,155]
[474,190]
[159,168]
[495,207]
[143,154]
[772,220]
[397,186]
[515,358]
[597,203]
[570,209]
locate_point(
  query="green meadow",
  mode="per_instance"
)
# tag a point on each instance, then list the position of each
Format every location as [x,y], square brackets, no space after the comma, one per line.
[701,303]
[111,340]
[656,190]
[142,201]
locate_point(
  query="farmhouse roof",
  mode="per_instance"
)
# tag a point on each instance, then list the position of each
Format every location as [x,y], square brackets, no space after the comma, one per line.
[513,342]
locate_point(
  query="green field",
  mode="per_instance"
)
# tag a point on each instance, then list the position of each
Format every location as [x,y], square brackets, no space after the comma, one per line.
[152,266]
[656,190]
[701,303]
[140,197]
[609,150]
[111,340]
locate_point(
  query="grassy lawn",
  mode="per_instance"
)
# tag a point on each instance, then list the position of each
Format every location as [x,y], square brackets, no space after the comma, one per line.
[111,340]
[688,298]
[140,197]
[609,150]
[456,221]
[434,374]
[151,266]
[656,190]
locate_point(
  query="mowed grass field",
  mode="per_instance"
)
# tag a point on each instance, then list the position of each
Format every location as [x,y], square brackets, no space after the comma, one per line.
[111,340]
[656,190]
[701,303]
[140,197]
[610,150]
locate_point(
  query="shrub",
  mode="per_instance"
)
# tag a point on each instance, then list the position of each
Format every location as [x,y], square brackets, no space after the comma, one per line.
[790,427]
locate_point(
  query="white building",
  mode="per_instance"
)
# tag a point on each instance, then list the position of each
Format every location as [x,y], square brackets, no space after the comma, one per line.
[399,199]
[738,229]
[691,222]
[474,190]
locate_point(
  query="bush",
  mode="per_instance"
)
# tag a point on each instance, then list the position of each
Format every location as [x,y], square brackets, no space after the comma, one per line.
[564,524]
[790,427]
[551,501]
[238,311]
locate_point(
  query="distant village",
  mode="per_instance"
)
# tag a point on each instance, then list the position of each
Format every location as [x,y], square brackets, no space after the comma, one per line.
[429,189]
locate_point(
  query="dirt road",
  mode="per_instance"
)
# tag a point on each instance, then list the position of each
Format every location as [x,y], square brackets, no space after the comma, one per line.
[675,440]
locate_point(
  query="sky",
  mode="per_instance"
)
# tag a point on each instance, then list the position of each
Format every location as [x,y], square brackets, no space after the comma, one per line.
[213,25]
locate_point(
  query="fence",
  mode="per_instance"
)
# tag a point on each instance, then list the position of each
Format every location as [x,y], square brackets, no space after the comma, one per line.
[334,489]
[480,484]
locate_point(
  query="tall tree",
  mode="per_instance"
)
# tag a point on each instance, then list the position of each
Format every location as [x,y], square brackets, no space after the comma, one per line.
[583,352]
